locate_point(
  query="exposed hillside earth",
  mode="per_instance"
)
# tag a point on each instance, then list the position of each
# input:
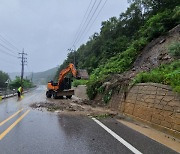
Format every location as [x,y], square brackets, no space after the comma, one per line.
[152,56]
[156,52]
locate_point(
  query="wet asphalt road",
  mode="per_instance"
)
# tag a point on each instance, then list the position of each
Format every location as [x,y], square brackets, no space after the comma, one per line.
[35,132]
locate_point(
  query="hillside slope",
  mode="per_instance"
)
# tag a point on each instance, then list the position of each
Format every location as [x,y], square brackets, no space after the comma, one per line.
[44,77]
[122,44]
[155,53]
[152,56]
[13,75]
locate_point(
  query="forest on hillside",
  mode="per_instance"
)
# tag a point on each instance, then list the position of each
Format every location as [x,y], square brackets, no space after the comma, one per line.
[121,39]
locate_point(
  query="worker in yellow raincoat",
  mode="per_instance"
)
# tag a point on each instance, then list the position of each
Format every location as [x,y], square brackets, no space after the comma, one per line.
[20,90]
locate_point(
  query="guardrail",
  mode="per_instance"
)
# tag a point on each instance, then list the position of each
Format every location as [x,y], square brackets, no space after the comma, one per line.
[4,92]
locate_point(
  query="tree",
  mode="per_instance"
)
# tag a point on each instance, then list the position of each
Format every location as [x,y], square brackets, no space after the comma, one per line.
[155,6]
[143,18]
[3,78]
[17,83]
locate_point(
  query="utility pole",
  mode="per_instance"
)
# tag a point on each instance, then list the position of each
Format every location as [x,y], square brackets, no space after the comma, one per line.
[23,62]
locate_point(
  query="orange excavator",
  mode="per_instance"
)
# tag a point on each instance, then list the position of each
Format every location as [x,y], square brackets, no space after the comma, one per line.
[63,86]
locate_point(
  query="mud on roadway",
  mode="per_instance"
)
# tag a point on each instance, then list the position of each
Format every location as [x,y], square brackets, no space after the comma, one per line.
[78,104]
[73,106]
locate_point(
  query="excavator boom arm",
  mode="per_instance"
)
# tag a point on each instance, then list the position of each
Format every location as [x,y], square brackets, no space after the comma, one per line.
[65,71]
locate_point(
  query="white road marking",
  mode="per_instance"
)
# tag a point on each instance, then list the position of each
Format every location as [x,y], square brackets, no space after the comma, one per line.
[129,146]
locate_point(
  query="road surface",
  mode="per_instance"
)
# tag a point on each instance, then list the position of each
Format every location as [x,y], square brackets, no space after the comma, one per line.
[27,131]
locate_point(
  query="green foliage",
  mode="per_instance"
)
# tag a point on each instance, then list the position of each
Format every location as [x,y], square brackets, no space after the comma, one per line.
[107,96]
[17,83]
[117,64]
[165,74]
[92,88]
[79,82]
[101,89]
[174,50]
[152,7]
[177,14]
[3,78]
[159,24]
[154,27]
[121,39]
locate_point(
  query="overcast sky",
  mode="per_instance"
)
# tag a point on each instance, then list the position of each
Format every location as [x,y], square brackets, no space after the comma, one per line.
[46,29]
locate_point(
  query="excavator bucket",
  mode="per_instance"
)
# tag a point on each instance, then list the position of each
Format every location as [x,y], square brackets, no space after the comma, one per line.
[82,74]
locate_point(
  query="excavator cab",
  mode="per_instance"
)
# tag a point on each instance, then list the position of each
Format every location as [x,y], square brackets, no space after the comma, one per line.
[66,84]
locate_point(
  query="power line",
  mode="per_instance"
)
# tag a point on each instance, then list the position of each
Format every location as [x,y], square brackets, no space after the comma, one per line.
[96,16]
[90,20]
[81,26]
[79,29]
[8,42]
[7,48]
[7,53]
[85,22]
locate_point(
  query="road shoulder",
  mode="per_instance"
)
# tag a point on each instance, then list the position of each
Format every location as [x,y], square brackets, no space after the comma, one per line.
[160,137]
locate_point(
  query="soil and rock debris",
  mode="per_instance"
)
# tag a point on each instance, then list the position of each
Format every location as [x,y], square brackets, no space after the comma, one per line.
[78,104]
[74,106]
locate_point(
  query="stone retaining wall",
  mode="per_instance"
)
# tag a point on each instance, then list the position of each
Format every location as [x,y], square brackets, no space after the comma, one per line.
[153,103]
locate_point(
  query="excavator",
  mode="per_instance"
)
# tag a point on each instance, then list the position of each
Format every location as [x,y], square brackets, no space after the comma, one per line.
[63,86]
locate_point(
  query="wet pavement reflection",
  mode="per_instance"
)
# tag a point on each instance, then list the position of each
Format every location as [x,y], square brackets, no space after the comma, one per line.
[46,132]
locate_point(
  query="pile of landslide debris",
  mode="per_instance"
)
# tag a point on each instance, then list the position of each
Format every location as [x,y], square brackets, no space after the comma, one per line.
[74,106]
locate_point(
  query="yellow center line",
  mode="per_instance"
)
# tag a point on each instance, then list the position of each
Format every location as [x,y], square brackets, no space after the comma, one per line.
[13,125]
[3,122]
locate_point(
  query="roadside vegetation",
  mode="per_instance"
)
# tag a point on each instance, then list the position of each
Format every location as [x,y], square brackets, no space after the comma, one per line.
[174,50]
[14,83]
[120,40]
[17,83]
[168,74]
[79,82]
[3,78]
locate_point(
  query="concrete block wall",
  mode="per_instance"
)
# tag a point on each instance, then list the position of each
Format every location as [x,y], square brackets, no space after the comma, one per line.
[152,103]
[155,103]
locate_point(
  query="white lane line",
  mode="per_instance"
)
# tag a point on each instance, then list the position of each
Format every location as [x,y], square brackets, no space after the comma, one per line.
[129,146]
